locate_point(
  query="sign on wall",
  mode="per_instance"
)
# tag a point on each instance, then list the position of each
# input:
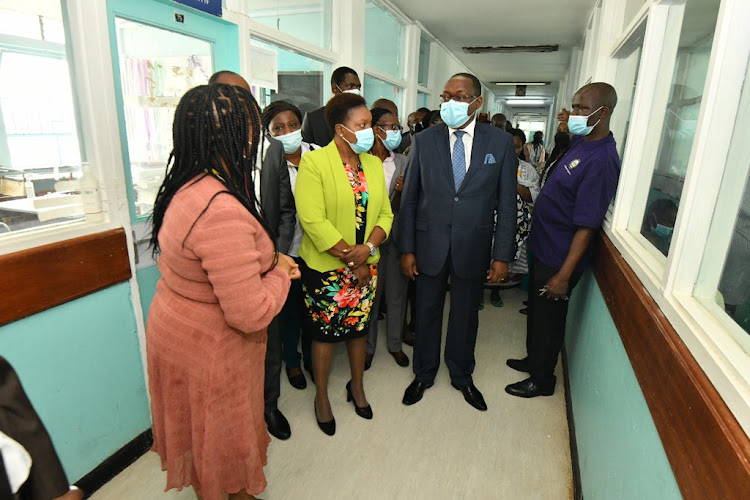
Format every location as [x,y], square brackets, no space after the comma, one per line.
[212,7]
[264,67]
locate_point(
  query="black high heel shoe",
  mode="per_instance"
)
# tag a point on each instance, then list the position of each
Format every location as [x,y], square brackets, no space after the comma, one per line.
[365,412]
[327,427]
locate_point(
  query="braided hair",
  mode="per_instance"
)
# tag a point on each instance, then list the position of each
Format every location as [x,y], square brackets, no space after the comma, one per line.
[277,107]
[212,124]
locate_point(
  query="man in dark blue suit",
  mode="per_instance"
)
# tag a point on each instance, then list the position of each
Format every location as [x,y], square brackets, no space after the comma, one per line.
[459,174]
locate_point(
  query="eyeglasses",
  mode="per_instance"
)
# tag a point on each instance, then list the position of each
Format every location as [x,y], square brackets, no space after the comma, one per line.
[465,98]
[395,127]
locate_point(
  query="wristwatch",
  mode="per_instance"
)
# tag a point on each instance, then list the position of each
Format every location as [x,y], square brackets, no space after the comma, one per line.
[373,249]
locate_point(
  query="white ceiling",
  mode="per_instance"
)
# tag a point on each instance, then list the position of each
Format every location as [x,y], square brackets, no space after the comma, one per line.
[506,22]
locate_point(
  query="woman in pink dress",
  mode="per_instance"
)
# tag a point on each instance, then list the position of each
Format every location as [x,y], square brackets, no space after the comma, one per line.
[222,283]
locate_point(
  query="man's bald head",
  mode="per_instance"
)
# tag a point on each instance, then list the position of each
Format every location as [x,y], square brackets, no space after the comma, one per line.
[602,94]
[386,104]
[229,78]
[499,120]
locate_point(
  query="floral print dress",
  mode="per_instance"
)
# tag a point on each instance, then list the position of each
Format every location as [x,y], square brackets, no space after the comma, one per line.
[337,309]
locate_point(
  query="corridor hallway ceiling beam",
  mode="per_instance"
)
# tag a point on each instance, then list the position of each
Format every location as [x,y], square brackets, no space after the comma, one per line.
[491,23]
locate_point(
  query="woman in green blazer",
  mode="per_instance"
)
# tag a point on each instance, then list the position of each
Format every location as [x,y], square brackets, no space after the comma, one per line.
[343,207]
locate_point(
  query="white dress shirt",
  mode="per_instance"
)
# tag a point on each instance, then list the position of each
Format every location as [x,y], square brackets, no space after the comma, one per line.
[389,166]
[297,238]
[259,166]
[17,462]
[468,139]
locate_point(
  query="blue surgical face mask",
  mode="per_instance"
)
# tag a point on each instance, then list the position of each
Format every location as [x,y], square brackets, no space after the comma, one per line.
[350,91]
[455,113]
[291,141]
[365,140]
[392,139]
[578,124]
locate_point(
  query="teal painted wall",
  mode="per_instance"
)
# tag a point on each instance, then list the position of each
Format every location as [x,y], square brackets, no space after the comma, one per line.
[147,279]
[80,364]
[619,450]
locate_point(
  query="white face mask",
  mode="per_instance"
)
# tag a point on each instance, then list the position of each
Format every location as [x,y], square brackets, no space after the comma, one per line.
[350,91]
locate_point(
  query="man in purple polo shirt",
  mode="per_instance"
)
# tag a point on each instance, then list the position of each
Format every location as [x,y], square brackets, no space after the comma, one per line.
[567,213]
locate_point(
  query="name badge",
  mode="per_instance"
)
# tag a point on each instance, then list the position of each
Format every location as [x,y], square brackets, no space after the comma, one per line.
[570,166]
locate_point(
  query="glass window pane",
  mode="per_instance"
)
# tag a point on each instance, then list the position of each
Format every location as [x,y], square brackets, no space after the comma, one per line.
[375,89]
[424,61]
[734,284]
[728,251]
[680,122]
[384,41]
[308,20]
[421,100]
[152,85]
[631,9]
[302,80]
[530,126]
[39,144]
[625,83]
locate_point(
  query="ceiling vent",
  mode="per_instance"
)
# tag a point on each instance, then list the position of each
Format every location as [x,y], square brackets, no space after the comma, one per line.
[508,49]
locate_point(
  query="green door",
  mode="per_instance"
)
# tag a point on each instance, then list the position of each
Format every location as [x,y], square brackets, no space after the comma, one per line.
[160,49]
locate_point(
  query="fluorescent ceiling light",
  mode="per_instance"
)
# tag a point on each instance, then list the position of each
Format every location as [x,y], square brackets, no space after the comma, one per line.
[525,102]
[509,49]
[528,84]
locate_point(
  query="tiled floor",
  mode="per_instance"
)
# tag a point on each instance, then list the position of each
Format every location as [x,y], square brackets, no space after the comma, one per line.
[440,448]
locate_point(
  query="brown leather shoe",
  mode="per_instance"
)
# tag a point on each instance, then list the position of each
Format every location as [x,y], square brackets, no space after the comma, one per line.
[368,361]
[401,358]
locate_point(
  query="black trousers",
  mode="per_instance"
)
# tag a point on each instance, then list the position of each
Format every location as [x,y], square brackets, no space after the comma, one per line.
[291,326]
[463,321]
[545,327]
[19,420]
[272,388]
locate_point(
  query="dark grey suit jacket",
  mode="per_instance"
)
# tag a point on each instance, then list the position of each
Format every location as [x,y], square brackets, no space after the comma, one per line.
[20,421]
[401,161]
[315,129]
[276,196]
[436,219]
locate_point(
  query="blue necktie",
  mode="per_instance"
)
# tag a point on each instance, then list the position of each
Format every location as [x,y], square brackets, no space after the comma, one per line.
[459,159]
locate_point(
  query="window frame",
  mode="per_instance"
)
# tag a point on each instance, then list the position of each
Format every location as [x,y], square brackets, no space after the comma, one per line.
[256,27]
[92,83]
[406,42]
[706,330]
[327,64]
[402,84]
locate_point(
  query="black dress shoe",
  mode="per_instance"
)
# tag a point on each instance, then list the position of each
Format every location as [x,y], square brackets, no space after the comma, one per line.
[278,425]
[364,412]
[297,380]
[524,310]
[368,361]
[519,365]
[309,370]
[472,396]
[414,392]
[408,338]
[327,427]
[528,389]
[401,358]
